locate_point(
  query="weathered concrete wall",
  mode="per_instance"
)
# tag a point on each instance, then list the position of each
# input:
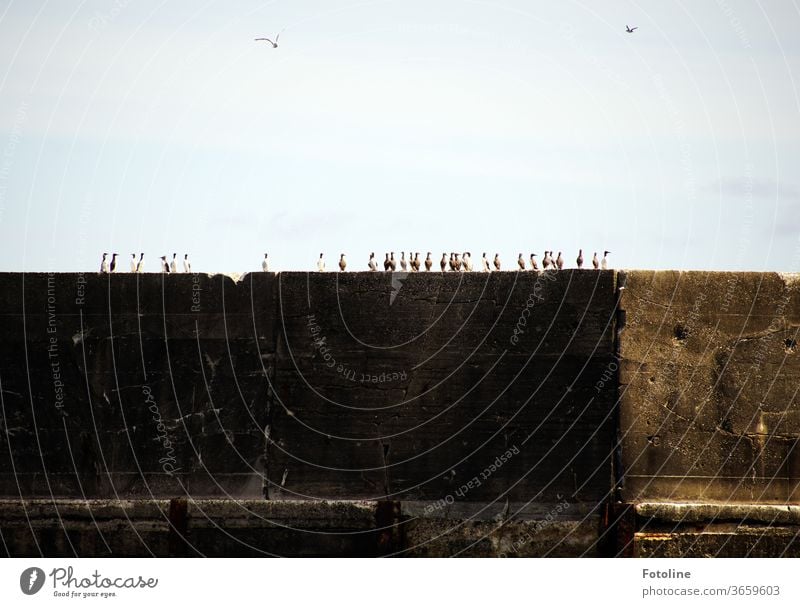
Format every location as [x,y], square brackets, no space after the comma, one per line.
[512,414]
[710,374]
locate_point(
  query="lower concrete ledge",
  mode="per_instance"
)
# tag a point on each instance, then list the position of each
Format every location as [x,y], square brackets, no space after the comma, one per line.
[712,530]
[95,528]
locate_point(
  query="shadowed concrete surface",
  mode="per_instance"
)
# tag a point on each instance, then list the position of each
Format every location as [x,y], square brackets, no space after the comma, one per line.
[502,414]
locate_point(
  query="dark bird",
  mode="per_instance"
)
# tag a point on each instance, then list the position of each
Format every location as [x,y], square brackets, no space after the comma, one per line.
[342,263]
[416,264]
[521,262]
[274,44]
[443,262]
[387,265]
[630,30]
[534,265]
[428,262]
[140,265]
[113,266]
[497,261]
[546,260]
[559,261]
[579,261]
[392,262]
[595,261]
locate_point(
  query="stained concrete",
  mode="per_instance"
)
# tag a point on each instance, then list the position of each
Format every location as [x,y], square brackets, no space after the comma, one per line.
[399,414]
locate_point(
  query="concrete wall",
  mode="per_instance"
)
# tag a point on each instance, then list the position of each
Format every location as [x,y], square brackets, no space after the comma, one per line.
[372,413]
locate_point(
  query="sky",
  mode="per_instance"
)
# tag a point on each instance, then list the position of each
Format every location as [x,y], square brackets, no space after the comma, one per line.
[510,126]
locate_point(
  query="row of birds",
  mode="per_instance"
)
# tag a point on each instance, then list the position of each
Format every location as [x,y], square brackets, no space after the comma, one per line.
[137,265]
[459,262]
[456,263]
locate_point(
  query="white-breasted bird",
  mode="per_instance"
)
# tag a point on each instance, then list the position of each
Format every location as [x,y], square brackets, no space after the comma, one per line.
[546,260]
[417,263]
[485,262]
[428,262]
[265,263]
[443,262]
[104,264]
[604,263]
[321,263]
[133,262]
[373,266]
[534,264]
[342,263]
[521,262]
[403,263]
[595,261]
[187,266]
[560,261]
[467,257]
[579,261]
[392,262]
[164,264]
[173,266]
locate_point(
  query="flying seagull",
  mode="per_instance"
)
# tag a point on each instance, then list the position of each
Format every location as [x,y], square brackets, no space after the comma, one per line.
[630,29]
[275,44]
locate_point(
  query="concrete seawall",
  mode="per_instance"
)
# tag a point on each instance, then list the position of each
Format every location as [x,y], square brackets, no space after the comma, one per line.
[562,413]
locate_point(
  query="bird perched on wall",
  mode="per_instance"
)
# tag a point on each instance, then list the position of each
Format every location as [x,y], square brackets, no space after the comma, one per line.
[534,265]
[321,263]
[173,266]
[265,263]
[452,262]
[595,261]
[443,262]
[140,265]
[164,265]
[604,263]
[187,266]
[113,266]
[403,264]
[104,264]
[342,263]
[458,263]
[133,262]
[497,261]
[485,263]
[546,260]
[579,261]
[467,257]
[559,261]
[392,262]
[417,263]
[630,30]
[521,262]
[373,266]
[428,262]
[274,44]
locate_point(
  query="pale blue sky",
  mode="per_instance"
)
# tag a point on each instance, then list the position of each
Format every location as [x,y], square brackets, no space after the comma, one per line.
[513,126]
